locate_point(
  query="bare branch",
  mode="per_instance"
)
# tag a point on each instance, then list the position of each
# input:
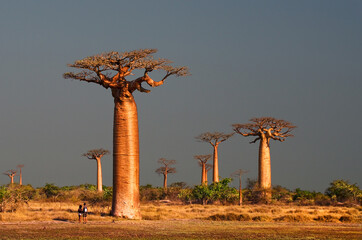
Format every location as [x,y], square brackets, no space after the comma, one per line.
[95,153]
[265,127]
[213,138]
[202,158]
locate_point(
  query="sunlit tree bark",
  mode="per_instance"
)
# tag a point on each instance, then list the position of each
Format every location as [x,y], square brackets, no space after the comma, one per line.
[20,166]
[208,167]
[265,129]
[97,154]
[165,169]
[202,161]
[112,70]
[11,174]
[214,139]
[238,173]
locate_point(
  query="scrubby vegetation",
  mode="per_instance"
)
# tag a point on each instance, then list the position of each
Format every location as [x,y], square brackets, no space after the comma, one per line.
[340,203]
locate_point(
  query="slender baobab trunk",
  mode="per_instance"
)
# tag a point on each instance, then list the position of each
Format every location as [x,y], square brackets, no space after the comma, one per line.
[240,192]
[12,179]
[99,175]
[20,178]
[165,181]
[215,175]
[206,177]
[125,201]
[203,174]
[265,167]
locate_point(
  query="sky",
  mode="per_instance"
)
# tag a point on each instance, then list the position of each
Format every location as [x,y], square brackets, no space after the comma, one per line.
[294,60]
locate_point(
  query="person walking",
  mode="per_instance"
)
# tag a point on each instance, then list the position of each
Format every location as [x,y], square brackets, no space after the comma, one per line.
[85,213]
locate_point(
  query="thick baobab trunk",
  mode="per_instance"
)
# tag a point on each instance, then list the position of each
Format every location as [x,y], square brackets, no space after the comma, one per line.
[165,181]
[125,202]
[264,167]
[99,175]
[215,175]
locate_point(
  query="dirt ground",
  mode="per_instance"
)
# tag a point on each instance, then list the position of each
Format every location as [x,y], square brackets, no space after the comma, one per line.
[177,229]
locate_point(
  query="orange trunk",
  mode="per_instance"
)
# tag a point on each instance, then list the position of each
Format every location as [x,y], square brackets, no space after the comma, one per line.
[203,174]
[99,176]
[264,167]
[165,181]
[20,178]
[125,202]
[215,176]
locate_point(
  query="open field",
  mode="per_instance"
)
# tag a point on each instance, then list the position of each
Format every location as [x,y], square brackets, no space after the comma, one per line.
[58,220]
[178,229]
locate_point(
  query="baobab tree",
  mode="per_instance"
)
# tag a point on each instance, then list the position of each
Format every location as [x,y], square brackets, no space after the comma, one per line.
[208,167]
[265,129]
[20,166]
[238,173]
[165,169]
[113,70]
[11,174]
[97,154]
[202,161]
[214,139]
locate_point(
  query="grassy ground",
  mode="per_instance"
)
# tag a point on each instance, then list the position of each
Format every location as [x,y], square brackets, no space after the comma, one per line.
[168,221]
[178,229]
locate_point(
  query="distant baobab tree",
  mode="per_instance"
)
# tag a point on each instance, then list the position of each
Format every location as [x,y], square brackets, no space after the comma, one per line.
[165,169]
[238,173]
[265,129]
[214,139]
[202,161]
[208,167]
[11,174]
[20,166]
[97,154]
[113,70]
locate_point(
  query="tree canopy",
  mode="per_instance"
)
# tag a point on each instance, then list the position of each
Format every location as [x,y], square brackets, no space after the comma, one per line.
[112,69]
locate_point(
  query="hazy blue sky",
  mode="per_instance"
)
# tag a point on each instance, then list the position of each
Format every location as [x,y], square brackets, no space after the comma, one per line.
[296,60]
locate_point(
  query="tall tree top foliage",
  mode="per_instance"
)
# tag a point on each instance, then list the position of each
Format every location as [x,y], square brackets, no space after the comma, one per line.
[214,138]
[268,127]
[95,153]
[114,69]
[166,166]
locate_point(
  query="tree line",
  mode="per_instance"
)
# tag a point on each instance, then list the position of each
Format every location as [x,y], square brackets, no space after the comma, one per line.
[339,192]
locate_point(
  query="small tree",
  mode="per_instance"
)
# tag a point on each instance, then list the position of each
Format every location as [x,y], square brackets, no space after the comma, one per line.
[97,154]
[11,174]
[265,129]
[214,139]
[238,173]
[341,190]
[165,169]
[20,166]
[202,161]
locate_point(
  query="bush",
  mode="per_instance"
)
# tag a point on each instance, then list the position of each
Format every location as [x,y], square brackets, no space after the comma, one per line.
[342,191]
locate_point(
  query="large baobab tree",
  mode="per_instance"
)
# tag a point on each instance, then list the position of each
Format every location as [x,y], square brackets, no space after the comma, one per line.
[165,169]
[214,139]
[113,70]
[20,166]
[238,173]
[97,154]
[264,129]
[202,161]
[11,174]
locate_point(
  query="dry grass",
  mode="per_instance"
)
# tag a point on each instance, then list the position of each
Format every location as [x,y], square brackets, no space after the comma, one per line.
[63,211]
